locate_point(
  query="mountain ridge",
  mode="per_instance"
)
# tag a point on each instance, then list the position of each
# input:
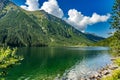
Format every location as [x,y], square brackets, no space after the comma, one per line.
[19,27]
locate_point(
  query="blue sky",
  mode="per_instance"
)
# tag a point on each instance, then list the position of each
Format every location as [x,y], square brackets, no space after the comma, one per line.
[85,8]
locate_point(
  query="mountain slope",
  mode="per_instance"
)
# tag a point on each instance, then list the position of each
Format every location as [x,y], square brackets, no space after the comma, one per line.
[24,28]
[94,37]
[3,3]
[105,42]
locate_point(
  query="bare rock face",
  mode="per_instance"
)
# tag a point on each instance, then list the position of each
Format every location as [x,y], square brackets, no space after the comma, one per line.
[3,3]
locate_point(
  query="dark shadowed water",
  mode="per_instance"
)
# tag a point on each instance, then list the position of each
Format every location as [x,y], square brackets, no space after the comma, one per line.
[49,62]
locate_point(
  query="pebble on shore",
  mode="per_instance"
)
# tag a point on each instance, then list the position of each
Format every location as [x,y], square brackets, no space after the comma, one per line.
[103,72]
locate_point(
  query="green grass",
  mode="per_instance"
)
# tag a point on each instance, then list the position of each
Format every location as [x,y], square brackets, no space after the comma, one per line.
[114,76]
[117,61]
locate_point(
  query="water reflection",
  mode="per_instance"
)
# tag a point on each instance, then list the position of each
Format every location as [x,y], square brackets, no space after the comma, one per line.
[48,62]
[88,66]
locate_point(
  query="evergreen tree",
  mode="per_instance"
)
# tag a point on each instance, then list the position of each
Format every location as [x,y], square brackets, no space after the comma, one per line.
[115,24]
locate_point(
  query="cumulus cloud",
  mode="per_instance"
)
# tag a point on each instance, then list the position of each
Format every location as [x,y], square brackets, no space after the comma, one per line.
[52,7]
[31,5]
[76,18]
[80,22]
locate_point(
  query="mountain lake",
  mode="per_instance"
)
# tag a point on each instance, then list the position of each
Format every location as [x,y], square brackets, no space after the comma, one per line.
[59,63]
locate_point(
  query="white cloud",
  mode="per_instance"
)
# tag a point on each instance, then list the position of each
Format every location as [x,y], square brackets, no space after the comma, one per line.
[76,18]
[80,22]
[31,5]
[52,7]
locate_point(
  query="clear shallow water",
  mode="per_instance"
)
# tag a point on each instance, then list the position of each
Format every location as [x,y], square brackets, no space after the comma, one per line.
[48,63]
[88,66]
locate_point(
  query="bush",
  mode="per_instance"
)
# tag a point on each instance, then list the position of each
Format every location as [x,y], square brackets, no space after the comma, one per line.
[8,59]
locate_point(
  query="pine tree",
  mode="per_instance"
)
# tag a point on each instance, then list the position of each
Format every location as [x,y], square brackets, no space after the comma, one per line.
[115,24]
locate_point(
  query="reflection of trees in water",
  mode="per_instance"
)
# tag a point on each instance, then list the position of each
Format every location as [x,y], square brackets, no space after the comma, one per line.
[51,61]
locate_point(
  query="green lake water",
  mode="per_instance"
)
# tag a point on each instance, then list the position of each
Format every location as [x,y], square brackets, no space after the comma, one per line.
[48,63]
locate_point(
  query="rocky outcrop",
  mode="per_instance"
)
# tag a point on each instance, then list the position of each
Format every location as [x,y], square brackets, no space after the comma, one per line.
[3,3]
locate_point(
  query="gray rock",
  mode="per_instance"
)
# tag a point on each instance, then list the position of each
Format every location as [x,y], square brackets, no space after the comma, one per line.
[106,72]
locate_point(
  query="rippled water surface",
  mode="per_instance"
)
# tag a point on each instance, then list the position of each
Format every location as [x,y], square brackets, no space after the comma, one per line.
[51,62]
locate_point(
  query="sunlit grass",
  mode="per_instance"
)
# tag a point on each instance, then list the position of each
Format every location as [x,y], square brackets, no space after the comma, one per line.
[117,61]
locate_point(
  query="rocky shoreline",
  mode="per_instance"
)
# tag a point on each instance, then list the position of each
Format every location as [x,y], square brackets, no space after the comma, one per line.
[95,75]
[103,72]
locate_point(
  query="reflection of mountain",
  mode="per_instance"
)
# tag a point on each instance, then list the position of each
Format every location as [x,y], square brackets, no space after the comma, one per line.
[44,62]
[23,28]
